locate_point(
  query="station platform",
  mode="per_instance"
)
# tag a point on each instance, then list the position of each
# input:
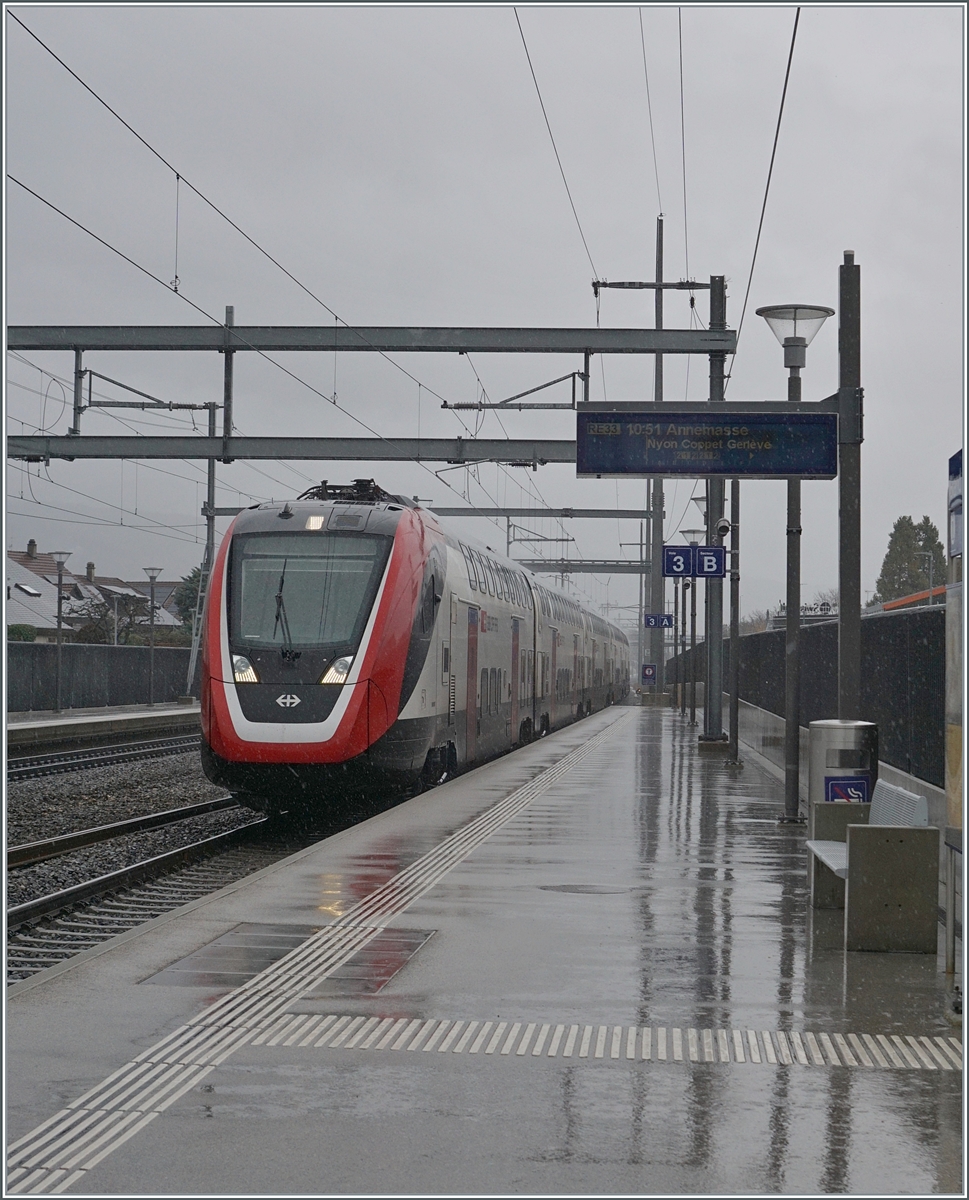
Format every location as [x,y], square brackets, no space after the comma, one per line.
[27,731]
[588,967]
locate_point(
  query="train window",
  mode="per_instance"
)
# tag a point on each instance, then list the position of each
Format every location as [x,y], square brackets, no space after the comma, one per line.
[445,661]
[483,692]
[298,589]
[493,690]
[479,570]
[427,605]
[467,562]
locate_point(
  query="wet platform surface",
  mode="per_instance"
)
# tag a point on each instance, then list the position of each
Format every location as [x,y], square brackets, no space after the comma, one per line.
[589,967]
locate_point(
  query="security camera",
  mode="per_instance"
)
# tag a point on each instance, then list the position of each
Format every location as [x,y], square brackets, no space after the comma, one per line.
[723,527]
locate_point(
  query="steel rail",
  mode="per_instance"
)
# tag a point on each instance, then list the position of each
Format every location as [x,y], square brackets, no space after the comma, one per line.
[35,852]
[58,762]
[22,914]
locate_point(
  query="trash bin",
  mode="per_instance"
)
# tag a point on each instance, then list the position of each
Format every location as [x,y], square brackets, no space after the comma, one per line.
[843,761]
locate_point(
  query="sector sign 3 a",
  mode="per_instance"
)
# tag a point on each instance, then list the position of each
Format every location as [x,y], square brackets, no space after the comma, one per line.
[750,445]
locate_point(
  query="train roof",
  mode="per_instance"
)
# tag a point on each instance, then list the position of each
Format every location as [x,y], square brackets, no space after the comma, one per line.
[364,507]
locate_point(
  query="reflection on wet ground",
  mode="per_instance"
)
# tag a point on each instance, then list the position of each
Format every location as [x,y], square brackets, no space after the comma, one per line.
[647,887]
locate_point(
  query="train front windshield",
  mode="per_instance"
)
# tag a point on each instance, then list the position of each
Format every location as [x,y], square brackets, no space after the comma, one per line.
[304,589]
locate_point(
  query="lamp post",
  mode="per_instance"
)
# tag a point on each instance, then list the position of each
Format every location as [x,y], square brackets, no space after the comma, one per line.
[794,326]
[931,557]
[152,573]
[60,557]
[693,538]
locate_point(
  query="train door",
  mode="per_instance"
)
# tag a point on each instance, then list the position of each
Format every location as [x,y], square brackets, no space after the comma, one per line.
[471,736]
[449,674]
[515,664]
[575,672]
[553,674]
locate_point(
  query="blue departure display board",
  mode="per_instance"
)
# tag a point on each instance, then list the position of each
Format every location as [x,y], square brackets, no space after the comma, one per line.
[749,445]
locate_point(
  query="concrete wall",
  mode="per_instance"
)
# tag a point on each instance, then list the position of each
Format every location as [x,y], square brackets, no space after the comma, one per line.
[902,682]
[91,676]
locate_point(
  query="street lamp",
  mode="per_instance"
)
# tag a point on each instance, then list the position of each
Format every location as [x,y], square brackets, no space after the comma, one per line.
[152,573]
[60,557]
[693,538]
[794,326]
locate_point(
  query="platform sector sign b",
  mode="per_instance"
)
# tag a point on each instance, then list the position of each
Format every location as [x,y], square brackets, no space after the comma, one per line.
[711,562]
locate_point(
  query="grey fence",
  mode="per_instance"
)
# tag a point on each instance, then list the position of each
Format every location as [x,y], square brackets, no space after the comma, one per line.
[902,682]
[91,676]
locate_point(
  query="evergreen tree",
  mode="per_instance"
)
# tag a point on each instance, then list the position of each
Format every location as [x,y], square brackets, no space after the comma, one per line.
[186,595]
[904,571]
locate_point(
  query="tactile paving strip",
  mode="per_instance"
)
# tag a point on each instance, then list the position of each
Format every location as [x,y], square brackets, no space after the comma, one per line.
[661,1044]
[57,1153]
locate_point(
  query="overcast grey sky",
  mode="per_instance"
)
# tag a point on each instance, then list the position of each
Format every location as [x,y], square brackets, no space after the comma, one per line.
[397,162]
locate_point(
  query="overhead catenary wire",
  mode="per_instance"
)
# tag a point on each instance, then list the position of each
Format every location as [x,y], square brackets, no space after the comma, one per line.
[211,203]
[558,159]
[262,354]
[181,179]
[649,109]
[686,231]
[770,172]
[174,285]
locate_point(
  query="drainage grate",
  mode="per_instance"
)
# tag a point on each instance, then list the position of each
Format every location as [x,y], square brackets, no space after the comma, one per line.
[248,949]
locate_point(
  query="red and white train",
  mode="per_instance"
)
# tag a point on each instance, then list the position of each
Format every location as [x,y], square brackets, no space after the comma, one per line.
[352,644]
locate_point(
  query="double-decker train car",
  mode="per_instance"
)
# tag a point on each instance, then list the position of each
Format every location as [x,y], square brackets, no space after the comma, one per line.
[353,645]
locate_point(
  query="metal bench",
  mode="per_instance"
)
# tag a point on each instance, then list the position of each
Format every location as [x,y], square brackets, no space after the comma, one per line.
[884,871]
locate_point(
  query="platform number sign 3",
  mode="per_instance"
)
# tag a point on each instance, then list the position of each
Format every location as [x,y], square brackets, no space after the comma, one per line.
[678,560]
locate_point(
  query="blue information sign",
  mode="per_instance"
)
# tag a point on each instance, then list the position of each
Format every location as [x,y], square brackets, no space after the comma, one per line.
[649,672]
[678,560]
[705,562]
[659,620]
[711,562]
[752,445]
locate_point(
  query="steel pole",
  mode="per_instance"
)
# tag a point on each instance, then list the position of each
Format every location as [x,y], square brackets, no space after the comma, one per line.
[850,434]
[227,385]
[657,584]
[792,659]
[676,633]
[151,643]
[60,613]
[734,758]
[693,652]
[639,610]
[713,591]
[686,588]
[75,429]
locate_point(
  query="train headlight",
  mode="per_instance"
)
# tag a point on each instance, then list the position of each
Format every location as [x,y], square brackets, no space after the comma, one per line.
[338,671]
[243,670]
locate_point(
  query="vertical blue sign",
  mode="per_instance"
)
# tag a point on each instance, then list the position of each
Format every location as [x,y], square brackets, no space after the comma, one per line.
[678,560]
[710,562]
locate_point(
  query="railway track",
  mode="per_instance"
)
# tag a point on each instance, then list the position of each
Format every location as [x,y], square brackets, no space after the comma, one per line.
[35,766]
[51,929]
[35,852]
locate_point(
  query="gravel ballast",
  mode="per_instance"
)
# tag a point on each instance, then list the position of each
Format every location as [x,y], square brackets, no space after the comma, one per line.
[59,804]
